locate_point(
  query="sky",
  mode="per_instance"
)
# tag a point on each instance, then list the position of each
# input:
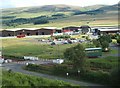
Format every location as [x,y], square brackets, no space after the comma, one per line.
[27,3]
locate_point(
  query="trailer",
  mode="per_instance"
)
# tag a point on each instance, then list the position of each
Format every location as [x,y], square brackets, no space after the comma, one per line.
[93,52]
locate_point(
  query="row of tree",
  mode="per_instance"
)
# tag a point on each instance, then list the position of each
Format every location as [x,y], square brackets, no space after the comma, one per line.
[36,20]
[19,21]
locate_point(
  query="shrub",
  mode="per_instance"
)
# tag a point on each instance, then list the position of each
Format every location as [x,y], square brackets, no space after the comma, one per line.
[105,45]
[60,70]
[62,36]
[96,43]
[98,77]
[115,78]
[20,80]
[13,57]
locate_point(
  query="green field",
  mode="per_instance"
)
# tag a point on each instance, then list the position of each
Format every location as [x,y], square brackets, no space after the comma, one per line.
[21,47]
[31,47]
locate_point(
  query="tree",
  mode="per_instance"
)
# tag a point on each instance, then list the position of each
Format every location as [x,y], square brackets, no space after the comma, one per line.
[105,37]
[104,41]
[96,43]
[105,45]
[41,21]
[77,55]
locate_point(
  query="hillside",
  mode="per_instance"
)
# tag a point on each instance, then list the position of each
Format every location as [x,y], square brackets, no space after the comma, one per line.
[58,15]
[50,8]
[12,79]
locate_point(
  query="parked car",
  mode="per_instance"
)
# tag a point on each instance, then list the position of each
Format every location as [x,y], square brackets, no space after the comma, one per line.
[74,41]
[69,41]
[30,63]
[53,43]
[65,42]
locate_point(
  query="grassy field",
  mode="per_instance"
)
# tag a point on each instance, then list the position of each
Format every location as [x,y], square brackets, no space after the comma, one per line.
[21,47]
[31,47]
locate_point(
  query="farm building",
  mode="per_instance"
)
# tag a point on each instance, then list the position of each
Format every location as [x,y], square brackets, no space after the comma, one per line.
[30,31]
[7,33]
[49,31]
[84,29]
[26,32]
[104,30]
[70,29]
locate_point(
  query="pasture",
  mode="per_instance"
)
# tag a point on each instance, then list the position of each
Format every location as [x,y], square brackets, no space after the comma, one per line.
[32,47]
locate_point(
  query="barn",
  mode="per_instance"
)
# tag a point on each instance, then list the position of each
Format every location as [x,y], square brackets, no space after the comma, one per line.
[30,31]
[102,31]
[27,31]
[5,33]
[106,30]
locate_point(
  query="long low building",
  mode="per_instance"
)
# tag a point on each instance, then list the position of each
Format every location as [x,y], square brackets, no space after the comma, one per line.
[109,30]
[30,31]
[102,30]
[53,30]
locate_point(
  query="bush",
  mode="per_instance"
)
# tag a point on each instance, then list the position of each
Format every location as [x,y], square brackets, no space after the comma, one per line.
[98,77]
[105,46]
[39,68]
[62,37]
[105,37]
[115,78]
[13,57]
[60,70]
[20,80]
[96,43]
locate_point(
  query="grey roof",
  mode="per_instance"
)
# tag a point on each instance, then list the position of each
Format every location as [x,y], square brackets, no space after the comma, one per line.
[93,48]
[109,29]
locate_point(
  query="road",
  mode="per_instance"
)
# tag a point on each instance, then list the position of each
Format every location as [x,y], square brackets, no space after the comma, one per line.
[18,68]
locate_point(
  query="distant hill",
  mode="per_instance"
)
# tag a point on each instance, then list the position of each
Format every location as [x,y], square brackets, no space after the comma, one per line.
[54,8]
[55,14]
[110,8]
[94,7]
[60,8]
